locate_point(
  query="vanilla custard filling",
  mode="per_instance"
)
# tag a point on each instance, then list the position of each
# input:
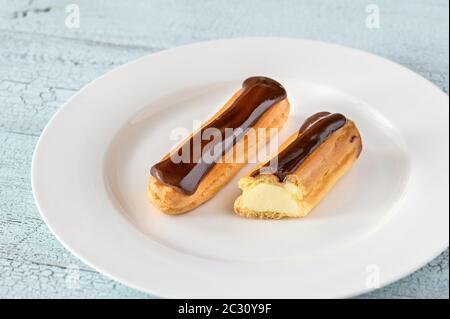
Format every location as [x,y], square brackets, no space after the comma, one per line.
[265,197]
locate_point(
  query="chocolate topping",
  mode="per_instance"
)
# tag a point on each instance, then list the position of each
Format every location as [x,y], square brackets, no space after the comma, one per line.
[314,131]
[257,95]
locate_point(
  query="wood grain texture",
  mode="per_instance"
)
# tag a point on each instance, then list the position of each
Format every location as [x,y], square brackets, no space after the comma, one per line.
[42,63]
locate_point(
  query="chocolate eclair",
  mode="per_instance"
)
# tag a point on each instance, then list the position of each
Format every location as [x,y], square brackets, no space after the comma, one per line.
[202,164]
[307,166]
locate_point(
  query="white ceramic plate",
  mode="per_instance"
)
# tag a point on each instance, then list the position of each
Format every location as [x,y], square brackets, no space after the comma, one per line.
[385,219]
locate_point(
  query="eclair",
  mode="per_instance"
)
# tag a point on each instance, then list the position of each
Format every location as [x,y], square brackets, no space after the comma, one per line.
[307,166]
[180,182]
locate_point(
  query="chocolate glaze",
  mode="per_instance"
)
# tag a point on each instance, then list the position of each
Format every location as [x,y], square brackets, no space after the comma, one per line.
[257,95]
[314,131]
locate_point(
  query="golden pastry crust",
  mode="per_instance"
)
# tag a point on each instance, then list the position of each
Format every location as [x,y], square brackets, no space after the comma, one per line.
[314,177]
[173,202]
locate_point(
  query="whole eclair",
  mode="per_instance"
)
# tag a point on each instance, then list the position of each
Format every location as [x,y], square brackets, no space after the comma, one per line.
[306,167]
[260,107]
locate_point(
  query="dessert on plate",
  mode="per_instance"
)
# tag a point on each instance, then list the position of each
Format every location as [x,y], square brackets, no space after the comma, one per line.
[180,182]
[307,166]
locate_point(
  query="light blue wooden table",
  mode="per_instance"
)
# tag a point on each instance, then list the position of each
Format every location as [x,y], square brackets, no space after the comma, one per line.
[45,58]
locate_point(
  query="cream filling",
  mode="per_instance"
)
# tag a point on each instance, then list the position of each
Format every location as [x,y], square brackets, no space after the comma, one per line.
[265,197]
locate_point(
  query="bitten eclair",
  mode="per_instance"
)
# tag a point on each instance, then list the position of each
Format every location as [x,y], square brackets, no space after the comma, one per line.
[306,167]
[260,107]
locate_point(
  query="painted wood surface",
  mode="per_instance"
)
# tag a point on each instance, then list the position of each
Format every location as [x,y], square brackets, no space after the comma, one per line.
[43,62]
